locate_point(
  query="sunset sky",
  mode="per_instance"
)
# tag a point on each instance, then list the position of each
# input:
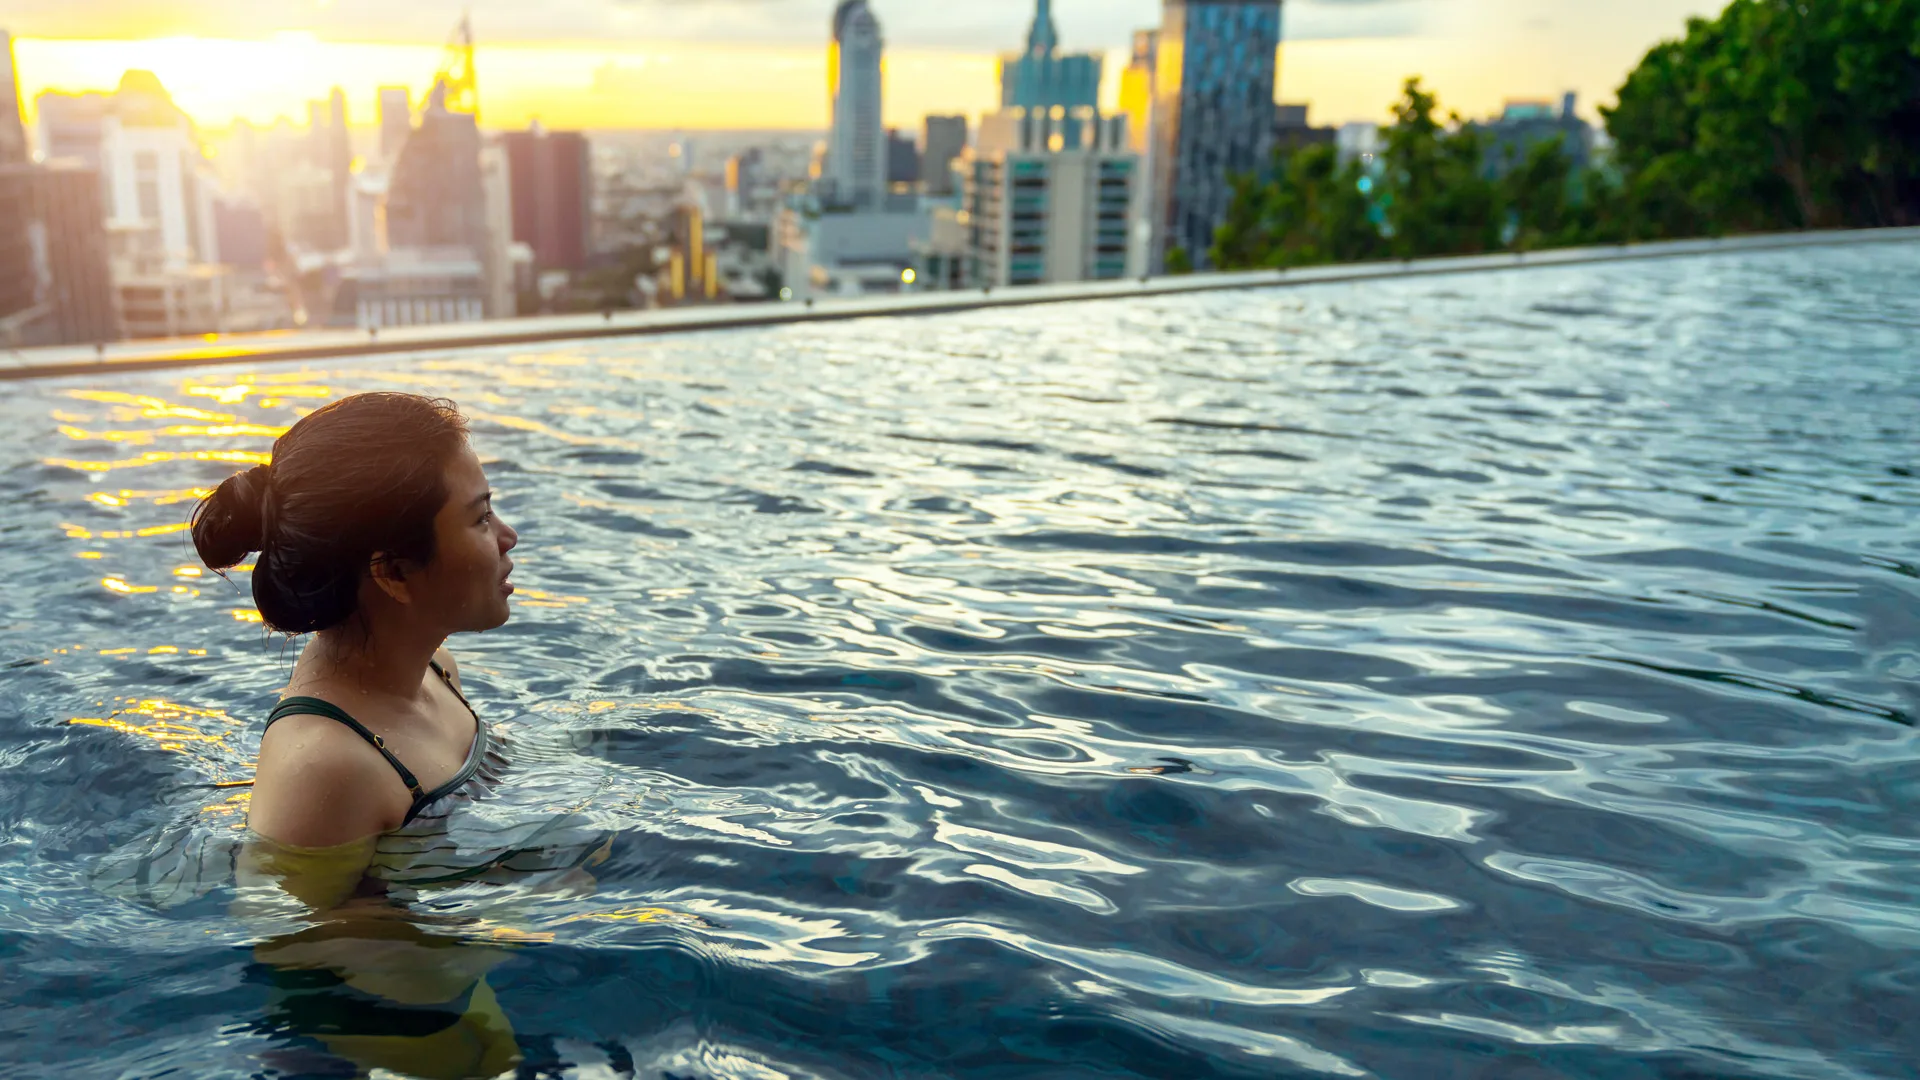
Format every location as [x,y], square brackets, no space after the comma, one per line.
[762,63]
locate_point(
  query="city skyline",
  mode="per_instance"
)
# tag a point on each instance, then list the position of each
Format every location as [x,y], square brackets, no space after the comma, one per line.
[760,64]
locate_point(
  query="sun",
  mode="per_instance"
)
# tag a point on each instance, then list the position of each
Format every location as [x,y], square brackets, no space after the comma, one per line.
[218,80]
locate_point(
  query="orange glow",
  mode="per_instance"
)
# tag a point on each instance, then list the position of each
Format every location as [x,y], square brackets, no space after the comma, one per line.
[157,498]
[594,84]
[236,393]
[642,915]
[175,431]
[174,728]
[145,408]
[160,457]
[75,532]
[547,599]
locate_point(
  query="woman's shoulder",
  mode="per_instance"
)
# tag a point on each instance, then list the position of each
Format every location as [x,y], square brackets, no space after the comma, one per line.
[319,783]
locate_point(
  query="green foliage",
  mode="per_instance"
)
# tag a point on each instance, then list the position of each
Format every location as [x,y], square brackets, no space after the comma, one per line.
[1779,114]
[1438,199]
[1317,213]
[1429,195]
[1178,261]
[1539,193]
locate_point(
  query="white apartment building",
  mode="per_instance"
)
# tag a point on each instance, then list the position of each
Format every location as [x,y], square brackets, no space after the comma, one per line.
[1052,195]
[159,191]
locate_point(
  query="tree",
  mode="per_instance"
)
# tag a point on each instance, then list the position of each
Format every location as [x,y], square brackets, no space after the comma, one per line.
[1779,114]
[1438,198]
[1318,211]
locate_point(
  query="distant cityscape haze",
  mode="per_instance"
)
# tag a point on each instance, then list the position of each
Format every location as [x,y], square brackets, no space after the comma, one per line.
[759,65]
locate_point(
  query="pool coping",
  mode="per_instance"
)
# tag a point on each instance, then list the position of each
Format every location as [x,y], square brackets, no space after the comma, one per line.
[273,347]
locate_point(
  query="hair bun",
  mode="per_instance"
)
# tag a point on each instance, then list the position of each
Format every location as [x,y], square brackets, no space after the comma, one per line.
[232,523]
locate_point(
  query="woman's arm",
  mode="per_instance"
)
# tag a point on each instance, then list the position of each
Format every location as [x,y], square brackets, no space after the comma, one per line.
[319,786]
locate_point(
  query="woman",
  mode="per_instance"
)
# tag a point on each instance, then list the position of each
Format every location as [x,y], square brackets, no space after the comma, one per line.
[376,534]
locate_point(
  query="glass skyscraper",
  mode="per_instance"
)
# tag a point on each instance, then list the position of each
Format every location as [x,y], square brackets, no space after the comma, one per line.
[1213,116]
[1043,77]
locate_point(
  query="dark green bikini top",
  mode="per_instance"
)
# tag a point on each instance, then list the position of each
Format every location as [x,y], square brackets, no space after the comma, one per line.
[307,706]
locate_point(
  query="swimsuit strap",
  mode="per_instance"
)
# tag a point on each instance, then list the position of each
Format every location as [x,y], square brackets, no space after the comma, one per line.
[306,706]
[448,679]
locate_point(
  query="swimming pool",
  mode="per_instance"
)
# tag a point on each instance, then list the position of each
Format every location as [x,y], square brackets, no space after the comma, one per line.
[1498,675]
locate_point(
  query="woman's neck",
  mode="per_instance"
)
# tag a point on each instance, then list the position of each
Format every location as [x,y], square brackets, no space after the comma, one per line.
[387,665]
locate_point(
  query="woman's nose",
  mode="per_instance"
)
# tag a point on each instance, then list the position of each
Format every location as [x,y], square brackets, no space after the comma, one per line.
[509,539]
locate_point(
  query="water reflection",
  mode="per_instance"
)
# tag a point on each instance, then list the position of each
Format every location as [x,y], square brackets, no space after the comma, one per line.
[374,983]
[1348,681]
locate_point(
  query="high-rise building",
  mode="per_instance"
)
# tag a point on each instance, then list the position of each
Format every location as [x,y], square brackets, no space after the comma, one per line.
[442,229]
[80,289]
[1522,125]
[744,178]
[436,198]
[396,121]
[367,215]
[339,167]
[552,185]
[496,258]
[318,186]
[1136,88]
[1043,77]
[856,173]
[158,183]
[1213,119]
[72,126]
[13,129]
[945,140]
[55,285]
[903,159]
[156,192]
[1294,131]
[20,278]
[1048,203]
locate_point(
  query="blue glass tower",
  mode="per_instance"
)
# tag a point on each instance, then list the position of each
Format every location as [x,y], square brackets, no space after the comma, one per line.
[1043,77]
[1213,114]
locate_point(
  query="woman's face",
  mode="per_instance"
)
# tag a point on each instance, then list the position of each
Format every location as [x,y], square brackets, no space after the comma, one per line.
[466,583]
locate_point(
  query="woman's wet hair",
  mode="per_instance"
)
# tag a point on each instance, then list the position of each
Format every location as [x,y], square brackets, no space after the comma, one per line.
[361,477]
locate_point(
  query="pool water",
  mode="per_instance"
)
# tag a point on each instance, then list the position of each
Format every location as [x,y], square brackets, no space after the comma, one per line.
[1499,675]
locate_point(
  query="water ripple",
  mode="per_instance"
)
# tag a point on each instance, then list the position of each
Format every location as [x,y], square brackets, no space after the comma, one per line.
[1473,677]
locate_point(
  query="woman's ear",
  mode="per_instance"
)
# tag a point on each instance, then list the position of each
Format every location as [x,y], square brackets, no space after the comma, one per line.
[390,575]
